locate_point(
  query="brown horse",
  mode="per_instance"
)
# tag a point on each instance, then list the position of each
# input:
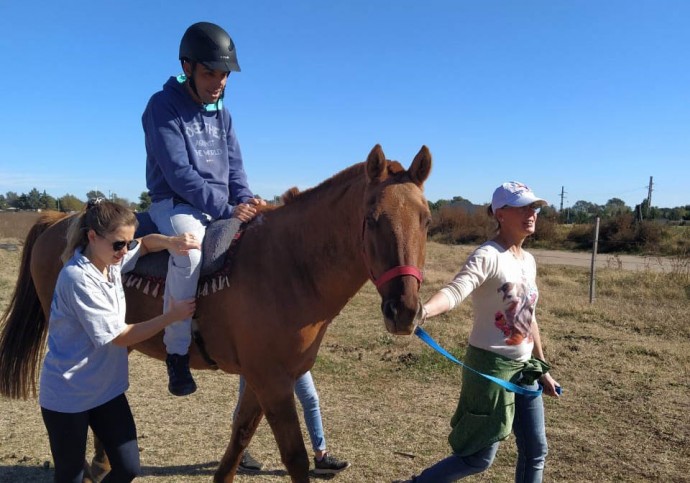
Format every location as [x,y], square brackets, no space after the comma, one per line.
[294,270]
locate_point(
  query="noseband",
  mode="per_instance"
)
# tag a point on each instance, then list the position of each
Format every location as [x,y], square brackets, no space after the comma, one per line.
[390,274]
[399,271]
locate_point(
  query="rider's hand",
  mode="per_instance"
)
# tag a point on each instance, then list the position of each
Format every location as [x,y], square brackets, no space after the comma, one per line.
[244,211]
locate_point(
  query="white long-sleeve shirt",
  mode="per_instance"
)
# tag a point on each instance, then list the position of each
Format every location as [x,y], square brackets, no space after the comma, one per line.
[504,297]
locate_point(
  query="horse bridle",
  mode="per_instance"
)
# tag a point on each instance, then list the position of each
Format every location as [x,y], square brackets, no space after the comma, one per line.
[390,274]
[399,271]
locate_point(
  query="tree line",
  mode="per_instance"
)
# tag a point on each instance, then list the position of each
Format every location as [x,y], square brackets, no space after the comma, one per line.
[622,229]
[580,212]
[584,211]
[37,200]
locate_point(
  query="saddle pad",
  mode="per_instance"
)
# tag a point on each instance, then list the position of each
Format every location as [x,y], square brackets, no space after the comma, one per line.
[219,235]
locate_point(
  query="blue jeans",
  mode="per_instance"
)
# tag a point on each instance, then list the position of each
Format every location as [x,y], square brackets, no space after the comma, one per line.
[309,399]
[530,436]
[114,425]
[183,270]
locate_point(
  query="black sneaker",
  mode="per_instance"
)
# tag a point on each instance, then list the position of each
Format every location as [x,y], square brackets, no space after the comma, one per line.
[180,380]
[329,465]
[249,464]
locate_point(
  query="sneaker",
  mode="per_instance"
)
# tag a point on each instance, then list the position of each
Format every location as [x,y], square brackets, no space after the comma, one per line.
[249,464]
[329,465]
[181,382]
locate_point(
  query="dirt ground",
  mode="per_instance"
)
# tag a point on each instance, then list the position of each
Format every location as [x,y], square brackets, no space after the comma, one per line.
[623,262]
[386,401]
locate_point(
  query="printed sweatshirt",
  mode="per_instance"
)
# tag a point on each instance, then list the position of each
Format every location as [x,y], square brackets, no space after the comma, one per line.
[192,153]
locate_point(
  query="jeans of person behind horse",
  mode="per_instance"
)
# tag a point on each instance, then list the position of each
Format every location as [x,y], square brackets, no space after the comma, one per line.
[173,218]
[530,436]
[112,423]
[309,399]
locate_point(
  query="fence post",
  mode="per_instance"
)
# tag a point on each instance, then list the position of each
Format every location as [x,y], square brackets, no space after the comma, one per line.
[593,266]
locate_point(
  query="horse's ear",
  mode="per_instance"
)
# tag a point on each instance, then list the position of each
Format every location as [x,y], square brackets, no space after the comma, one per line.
[376,165]
[421,166]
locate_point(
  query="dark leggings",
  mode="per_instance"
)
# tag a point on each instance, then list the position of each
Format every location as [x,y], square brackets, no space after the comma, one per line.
[112,423]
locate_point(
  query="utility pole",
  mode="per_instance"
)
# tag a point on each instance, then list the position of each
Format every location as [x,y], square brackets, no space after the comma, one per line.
[649,195]
[567,215]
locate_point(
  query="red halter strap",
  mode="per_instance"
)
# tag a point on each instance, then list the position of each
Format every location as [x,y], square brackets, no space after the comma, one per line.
[388,275]
[398,271]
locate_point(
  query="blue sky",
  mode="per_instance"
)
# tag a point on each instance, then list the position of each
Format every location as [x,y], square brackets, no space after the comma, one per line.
[589,95]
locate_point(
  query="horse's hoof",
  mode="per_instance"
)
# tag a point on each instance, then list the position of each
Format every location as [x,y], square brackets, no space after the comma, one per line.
[99,471]
[87,478]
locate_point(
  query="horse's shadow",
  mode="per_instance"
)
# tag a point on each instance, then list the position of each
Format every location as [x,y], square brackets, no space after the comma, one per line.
[26,474]
[208,468]
[211,467]
[312,475]
[37,474]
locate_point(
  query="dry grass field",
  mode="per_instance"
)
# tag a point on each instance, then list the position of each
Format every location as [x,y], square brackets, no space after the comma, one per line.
[622,361]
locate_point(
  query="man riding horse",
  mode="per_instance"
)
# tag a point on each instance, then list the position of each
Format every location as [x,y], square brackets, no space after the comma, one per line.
[194,171]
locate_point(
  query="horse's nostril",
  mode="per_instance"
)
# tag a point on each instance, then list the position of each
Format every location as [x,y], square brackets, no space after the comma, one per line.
[389,310]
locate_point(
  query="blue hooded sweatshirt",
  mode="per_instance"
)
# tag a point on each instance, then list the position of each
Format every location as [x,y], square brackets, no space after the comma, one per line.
[192,154]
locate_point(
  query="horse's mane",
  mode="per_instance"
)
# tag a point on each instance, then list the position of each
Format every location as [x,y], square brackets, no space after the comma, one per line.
[344,177]
[290,195]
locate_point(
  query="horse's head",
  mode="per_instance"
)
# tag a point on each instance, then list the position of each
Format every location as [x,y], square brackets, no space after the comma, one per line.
[395,224]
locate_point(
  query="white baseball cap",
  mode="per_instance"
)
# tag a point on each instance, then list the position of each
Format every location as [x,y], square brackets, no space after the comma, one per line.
[514,194]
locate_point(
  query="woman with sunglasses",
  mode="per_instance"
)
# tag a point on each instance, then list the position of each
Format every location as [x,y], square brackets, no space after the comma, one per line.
[85,370]
[504,342]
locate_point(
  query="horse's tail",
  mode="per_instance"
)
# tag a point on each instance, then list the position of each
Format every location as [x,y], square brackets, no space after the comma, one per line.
[23,325]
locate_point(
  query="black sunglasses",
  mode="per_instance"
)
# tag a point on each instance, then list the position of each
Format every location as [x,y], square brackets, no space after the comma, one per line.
[119,245]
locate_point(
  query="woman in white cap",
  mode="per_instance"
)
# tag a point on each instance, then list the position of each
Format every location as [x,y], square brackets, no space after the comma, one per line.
[504,343]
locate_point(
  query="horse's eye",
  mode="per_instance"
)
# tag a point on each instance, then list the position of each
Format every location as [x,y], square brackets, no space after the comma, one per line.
[371,221]
[426,221]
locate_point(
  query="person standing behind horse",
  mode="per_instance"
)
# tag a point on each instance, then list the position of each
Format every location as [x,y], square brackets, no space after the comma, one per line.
[85,370]
[305,390]
[504,342]
[194,171]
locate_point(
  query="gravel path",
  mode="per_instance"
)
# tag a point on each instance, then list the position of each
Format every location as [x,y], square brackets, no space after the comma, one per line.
[623,262]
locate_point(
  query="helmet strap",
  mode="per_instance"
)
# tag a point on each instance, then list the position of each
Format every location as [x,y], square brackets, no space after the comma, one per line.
[192,84]
[190,78]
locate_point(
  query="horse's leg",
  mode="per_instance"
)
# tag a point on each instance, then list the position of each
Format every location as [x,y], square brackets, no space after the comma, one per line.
[100,466]
[281,414]
[244,424]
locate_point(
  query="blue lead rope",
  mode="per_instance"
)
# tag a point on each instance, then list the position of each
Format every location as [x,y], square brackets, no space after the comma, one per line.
[421,333]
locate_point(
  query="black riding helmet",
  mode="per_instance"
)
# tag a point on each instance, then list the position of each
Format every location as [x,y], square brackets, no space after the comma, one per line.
[210,45]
